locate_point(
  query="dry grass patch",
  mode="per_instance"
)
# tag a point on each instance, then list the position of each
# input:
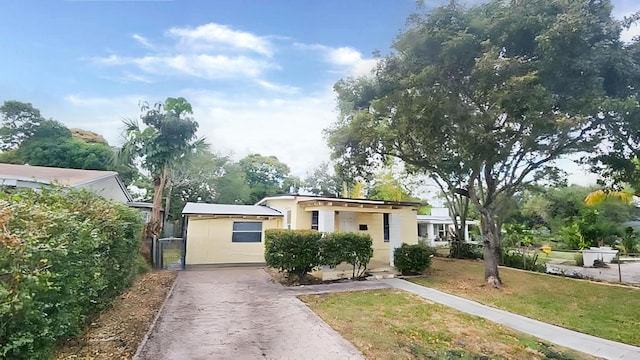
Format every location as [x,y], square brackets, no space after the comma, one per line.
[611,312]
[393,324]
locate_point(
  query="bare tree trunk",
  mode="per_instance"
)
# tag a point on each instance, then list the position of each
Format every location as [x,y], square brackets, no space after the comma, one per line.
[167,200]
[491,239]
[154,227]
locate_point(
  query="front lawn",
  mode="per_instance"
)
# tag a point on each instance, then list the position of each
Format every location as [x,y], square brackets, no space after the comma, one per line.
[610,312]
[393,324]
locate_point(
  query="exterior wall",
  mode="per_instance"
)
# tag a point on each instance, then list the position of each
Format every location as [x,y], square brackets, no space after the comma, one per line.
[283,205]
[108,188]
[209,242]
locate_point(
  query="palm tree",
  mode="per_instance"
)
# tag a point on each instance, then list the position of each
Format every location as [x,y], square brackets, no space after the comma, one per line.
[169,136]
[598,196]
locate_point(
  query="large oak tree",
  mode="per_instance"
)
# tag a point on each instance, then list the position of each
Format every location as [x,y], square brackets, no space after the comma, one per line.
[488,97]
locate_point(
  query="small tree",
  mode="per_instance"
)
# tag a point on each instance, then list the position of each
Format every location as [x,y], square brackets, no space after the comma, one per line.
[412,259]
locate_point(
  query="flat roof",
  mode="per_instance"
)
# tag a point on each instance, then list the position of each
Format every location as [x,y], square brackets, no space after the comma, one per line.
[340,199]
[227,209]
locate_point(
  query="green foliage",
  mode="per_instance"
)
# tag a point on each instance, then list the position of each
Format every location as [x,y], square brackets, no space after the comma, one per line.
[386,187]
[412,259]
[65,255]
[232,186]
[295,252]
[266,175]
[464,250]
[19,121]
[516,235]
[519,260]
[350,247]
[629,241]
[321,181]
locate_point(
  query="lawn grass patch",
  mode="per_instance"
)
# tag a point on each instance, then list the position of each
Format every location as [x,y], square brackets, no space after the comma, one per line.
[610,312]
[393,324]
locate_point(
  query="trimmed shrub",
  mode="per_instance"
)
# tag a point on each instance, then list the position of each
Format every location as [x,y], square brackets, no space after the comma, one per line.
[353,248]
[295,252]
[64,255]
[464,250]
[412,259]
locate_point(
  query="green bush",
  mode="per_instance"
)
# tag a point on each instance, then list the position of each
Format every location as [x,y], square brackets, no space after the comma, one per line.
[412,259]
[579,259]
[518,260]
[464,250]
[295,252]
[64,255]
[353,248]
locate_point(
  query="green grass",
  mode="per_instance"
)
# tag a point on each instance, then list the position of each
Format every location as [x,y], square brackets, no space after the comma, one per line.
[610,312]
[171,256]
[393,324]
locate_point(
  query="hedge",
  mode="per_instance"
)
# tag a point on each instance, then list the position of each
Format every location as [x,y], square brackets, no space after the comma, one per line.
[64,255]
[298,252]
[412,259]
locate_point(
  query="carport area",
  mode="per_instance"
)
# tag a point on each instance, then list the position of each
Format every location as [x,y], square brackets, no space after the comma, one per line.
[240,313]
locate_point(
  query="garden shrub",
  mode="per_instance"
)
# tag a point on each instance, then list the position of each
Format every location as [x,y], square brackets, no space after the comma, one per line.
[579,259]
[464,250]
[412,259]
[353,248]
[64,255]
[518,260]
[295,252]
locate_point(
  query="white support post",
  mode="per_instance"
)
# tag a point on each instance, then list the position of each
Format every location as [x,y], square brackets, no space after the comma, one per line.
[466,232]
[395,234]
[326,221]
[430,234]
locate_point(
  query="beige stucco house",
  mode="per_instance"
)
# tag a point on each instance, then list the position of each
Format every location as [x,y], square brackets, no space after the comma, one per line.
[234,234]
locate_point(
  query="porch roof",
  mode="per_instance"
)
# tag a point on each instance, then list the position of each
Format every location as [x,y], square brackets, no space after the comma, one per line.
[356,203]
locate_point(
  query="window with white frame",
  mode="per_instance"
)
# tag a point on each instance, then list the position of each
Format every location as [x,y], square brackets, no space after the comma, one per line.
[247,232]
[314,220]
[440,231]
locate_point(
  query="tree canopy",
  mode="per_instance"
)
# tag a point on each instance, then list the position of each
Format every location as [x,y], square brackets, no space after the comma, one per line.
[490,96]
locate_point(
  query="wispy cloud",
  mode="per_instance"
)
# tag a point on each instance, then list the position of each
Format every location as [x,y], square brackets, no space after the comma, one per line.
[219,37]
[211,52]
[142,40]
[278,87]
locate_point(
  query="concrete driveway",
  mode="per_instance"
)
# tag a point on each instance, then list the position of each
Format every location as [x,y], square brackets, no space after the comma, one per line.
[239,313]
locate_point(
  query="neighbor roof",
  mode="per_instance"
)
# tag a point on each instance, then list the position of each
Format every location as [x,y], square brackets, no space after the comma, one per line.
[48,175]
[224,209]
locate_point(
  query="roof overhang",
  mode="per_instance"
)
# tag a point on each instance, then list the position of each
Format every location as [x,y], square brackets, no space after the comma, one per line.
[356,204]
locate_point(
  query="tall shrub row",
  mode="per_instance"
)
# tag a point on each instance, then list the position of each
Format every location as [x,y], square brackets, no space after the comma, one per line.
[64,255]
[298,252]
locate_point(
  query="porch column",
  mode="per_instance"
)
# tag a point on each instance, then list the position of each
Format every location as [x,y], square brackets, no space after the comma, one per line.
[395,234]
[430,235]
[326,220]
[466,232]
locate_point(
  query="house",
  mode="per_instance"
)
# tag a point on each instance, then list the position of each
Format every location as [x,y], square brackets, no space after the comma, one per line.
[437,228]
[234,234]
[105,183]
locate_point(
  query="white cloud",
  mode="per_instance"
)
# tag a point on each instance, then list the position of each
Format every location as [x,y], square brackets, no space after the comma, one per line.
[142,40]
[219,37]
[203,66]
[345,58]
[210,52]
[278,87]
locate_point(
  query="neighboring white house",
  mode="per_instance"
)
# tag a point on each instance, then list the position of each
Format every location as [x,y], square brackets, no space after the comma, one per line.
[436,229]
[105,183]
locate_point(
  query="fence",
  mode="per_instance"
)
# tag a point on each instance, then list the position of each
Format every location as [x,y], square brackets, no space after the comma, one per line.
[168,253]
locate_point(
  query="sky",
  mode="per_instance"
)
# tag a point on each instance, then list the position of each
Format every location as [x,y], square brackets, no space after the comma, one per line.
[259,74]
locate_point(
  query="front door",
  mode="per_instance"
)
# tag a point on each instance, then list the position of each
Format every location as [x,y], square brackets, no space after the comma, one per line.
[346,219]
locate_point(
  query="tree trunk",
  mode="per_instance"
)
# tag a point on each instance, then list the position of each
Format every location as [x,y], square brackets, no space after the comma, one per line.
[491,238]
[167,200]
[154,227]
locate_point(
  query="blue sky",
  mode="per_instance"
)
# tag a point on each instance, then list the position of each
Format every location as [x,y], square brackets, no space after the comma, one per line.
[258,73]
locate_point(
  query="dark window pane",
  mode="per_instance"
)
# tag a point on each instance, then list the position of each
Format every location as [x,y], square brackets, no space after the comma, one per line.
[247,226]
[363,227]
[386,227]
[314,220]
[246,237]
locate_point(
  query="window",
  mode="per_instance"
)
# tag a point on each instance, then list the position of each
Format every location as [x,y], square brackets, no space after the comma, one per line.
[363,227]
[314,220]
[247,231]
[440,231]
[386,227]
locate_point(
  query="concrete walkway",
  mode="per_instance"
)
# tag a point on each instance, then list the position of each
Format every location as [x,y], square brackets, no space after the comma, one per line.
[240,313]
[585,343]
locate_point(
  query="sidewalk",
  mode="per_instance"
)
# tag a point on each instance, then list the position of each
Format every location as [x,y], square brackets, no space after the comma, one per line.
[585,343]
